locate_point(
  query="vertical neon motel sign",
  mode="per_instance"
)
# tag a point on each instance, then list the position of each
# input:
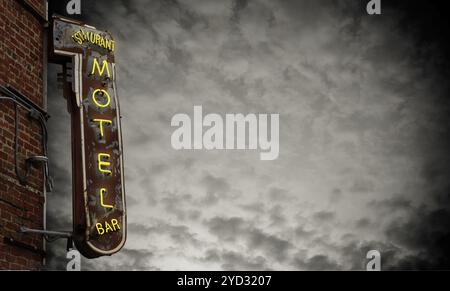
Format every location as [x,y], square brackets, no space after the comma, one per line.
[99,212]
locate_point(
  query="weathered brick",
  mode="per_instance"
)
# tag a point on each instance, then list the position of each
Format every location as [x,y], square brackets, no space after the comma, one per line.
[21,54]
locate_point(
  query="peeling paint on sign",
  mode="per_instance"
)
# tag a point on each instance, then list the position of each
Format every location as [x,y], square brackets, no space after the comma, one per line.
[99,212]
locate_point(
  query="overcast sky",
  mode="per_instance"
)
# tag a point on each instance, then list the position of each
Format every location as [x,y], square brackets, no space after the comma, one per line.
[362,165]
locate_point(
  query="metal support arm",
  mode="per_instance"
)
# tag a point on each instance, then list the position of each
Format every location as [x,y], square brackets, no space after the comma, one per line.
[59,234]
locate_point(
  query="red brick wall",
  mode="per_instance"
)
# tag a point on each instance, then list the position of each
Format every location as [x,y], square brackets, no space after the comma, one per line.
[21,66]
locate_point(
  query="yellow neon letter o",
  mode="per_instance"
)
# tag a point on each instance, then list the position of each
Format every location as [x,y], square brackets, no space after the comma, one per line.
[95,100]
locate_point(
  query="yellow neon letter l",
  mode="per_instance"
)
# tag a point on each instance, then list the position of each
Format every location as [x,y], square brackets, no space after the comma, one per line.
[102,191]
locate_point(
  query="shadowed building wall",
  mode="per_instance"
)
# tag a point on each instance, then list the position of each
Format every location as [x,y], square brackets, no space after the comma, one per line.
[22,68]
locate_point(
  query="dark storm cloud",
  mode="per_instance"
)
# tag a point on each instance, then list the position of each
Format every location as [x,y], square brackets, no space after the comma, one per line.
[216,188]
[301,232]
[56,256]
[355,250]
[391,204]
[234,229]
[425,230]
[362,110]
[336,195]
[60,217]
[278,194]
[272,245]
[362,185]
[363,223]
[230,260]
[324,216]
[126,260]
[317,263]
[254,207]
[59,214]
[427,233]
[178,205]
[178,233]
[235,261]
[227,228]
[276,216]
[59,201]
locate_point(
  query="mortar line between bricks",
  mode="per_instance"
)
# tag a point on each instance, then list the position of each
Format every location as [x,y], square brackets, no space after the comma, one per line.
[12,204]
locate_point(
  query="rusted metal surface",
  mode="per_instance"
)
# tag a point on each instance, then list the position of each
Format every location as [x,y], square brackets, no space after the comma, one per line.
[99,212]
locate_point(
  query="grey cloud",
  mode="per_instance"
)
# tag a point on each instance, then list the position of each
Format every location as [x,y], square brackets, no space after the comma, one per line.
[216,188]
[234,229]
[235,261]
[178,205]
[395,203]
[226,228]
[427,233]
[272,245]
[301,232]
[363,223]
[276,216]
[254,207]
[230,260]
[132,202]
[354,254]
[56,256]
[278,194]
[361,108]
[362,185]
[435,170]
[127,259]
[180,234]
[316,263]
[324,216]
[336,195]
[238,7]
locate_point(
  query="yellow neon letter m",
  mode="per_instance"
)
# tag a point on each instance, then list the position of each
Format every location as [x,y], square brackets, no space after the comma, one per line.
[96,65]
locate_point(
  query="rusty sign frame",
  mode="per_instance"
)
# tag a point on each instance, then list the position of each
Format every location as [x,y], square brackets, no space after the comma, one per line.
[85,45]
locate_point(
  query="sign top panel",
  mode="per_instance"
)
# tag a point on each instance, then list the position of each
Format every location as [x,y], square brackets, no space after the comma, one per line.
[74,36]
